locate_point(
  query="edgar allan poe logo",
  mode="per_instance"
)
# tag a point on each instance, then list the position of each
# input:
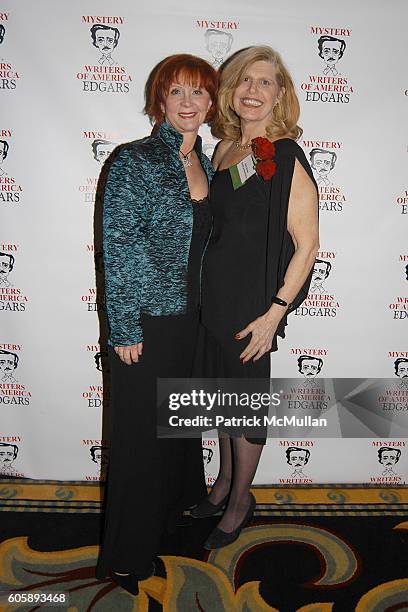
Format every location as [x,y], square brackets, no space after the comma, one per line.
[208,149]
[208,455]
[218,45]
[11,298]
[10,191]
[8,455]
[8,76]
[101,149]
[310,367]
[297,458]
[388,457]
[321,272]
[8,365]
[105,39]
[100,359]
[401,370]
[331,50]
[322,162]
[308,392]
[99,457]
[4,149]
[6,266]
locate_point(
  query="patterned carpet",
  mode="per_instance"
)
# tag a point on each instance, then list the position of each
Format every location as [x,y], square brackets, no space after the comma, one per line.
[332,548]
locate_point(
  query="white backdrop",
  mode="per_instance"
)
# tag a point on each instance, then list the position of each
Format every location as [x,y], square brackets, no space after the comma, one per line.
[61,94]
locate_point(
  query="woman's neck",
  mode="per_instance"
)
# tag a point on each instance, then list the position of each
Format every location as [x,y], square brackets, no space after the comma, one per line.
[188,143]
[251,130]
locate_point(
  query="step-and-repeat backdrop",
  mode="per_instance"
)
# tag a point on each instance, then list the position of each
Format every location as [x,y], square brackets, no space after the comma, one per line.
[72,76]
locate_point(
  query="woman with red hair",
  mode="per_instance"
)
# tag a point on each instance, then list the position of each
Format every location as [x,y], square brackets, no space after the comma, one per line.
[156,222]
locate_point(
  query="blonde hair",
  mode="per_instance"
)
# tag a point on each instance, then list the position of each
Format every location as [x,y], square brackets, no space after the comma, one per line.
[285,114]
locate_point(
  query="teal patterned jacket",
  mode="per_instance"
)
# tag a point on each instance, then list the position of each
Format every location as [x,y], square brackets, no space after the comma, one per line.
[147,228]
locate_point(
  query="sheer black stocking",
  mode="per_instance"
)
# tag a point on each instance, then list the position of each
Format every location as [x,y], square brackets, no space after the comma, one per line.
[222,484]
[245,459]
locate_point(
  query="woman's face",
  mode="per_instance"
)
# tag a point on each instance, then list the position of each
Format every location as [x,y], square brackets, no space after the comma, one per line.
[186,107]
[257,93]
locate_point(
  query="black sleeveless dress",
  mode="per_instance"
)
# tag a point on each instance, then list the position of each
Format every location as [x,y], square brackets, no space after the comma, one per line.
[150,480]
[245,263]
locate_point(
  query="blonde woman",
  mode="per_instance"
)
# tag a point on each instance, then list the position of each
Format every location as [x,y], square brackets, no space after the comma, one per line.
[258,263]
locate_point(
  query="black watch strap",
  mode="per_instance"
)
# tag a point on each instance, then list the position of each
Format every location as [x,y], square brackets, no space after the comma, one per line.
[277,300]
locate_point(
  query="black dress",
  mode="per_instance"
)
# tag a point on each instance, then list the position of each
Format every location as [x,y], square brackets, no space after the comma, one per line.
[234,266]
[233,281]
[150,480]
[245,263]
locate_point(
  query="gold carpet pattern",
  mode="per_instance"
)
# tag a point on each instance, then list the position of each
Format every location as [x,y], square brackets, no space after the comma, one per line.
[78,496]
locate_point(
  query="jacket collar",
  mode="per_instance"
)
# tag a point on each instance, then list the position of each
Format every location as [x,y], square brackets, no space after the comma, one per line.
[173,139]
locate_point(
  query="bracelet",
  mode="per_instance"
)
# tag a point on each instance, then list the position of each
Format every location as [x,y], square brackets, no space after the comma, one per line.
[276,300]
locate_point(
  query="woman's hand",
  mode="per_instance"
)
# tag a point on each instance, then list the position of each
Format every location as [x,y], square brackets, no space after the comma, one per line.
[263,330]
[130,354]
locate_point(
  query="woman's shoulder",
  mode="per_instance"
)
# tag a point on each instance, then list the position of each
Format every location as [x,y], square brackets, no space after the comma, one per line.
[137,146]
[221,148]
[288,149]
[288,146]
[133,151]
[224,144]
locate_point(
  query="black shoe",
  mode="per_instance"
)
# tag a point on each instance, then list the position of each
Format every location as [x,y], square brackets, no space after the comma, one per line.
[219,538]
[205,508]
[130,582]
[177,520]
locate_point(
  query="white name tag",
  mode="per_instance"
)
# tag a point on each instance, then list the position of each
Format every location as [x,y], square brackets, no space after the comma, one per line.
[242,171]
[246,168]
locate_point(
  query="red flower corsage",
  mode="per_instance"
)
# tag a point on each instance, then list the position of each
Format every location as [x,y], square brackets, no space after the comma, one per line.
[264,150]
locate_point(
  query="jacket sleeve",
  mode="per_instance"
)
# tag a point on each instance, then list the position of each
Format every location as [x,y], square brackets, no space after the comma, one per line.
[124,219]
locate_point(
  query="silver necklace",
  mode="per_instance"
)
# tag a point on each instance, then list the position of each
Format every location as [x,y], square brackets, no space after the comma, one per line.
[185,159]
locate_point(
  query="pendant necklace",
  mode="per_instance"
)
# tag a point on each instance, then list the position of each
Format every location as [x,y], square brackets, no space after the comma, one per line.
[185,159]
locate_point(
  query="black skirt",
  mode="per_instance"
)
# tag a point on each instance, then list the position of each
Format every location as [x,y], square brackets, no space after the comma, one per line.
[149,480]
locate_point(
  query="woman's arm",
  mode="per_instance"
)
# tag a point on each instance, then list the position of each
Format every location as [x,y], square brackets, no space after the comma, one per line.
[302,224]
[123,245]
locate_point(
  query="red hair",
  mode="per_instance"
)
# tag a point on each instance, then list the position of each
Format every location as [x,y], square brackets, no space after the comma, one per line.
[184,69]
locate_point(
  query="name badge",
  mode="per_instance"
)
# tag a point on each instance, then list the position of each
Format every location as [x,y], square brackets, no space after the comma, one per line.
[242,171]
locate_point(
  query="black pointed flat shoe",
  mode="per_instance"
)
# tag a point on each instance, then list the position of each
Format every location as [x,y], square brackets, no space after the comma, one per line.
[219,538]
[130,582]
[205,508]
